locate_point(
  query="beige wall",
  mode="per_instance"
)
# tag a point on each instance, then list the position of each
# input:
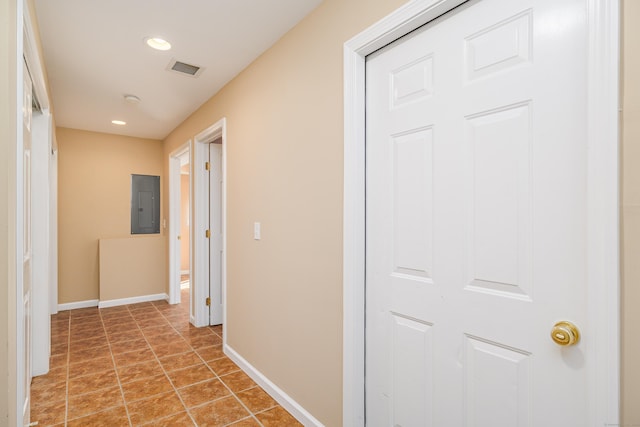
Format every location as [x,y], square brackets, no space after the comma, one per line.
[8,55]
[285,142]
[129,267]
[95,202]
[631,214]
[184,222]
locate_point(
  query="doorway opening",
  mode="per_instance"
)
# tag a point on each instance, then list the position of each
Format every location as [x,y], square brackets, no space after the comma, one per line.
[185,208]
[208,216]
[179,230]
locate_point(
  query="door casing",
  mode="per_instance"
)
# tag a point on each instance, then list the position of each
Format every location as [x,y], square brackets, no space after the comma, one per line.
[27,49]
[603,200]
[200,220]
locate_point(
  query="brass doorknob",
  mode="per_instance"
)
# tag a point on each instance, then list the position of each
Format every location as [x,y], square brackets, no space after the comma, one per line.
[565,333]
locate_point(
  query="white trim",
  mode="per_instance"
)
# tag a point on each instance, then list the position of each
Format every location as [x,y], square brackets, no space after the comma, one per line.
[132,300]
[17,369]
[200,219]
[27,52]
[44,193]
[273,390]
[199,243]
[112,302]
[603,200]
[224,231]
[78,304]
[603,303]
[175,197]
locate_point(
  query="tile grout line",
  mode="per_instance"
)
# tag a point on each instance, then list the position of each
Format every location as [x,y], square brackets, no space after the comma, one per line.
[88,374]
[164,371]
[197,354]
[192,349]
[146,319]
[216,376]
[115,368]
[251,414]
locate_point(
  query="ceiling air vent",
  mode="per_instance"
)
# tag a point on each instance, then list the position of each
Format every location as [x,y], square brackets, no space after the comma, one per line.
[184,68]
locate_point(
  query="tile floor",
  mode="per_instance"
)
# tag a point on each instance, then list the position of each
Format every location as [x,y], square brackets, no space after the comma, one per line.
[144,364]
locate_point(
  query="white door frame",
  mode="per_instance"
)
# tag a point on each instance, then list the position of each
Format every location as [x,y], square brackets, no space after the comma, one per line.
[175,217]
[27,48]
[200,220]
[603,201]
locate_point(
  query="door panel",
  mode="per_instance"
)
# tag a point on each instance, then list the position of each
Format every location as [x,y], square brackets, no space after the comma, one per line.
[476,218]
[500,221]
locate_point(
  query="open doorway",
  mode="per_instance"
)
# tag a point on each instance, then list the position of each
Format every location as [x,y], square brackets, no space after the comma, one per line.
[184,237]
[208,272]
[179,225]
[204,160]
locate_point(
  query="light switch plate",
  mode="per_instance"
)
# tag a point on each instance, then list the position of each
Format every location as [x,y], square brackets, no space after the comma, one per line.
[256,231]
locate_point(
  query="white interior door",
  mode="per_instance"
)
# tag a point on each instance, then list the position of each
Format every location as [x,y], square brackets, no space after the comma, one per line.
[476,219]
[27,243]
[215,241]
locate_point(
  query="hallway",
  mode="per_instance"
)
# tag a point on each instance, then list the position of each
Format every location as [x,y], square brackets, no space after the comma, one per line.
[144,364]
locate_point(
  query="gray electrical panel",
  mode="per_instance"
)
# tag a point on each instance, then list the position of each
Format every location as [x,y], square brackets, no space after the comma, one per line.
[145,204]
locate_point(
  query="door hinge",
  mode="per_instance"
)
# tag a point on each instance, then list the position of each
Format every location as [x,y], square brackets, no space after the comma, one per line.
[208,301]
[206,165]
[207,234]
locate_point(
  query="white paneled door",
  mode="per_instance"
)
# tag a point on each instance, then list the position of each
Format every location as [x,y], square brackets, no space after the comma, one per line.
[476,219]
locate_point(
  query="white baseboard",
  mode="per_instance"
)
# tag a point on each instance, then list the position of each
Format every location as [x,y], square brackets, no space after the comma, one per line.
[273,390]
[132,300]
[78,304]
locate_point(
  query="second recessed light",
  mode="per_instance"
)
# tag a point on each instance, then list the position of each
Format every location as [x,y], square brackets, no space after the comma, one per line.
[132,99]
[158,43]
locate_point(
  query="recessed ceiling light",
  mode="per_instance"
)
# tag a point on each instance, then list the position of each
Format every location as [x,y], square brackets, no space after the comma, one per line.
[131,99]
[158,43]
[118,122]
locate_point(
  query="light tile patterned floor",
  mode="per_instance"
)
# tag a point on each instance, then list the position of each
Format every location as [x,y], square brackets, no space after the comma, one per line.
[144,364]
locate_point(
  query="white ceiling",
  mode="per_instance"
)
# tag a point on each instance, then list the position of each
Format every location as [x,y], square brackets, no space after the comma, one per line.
[94,52]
